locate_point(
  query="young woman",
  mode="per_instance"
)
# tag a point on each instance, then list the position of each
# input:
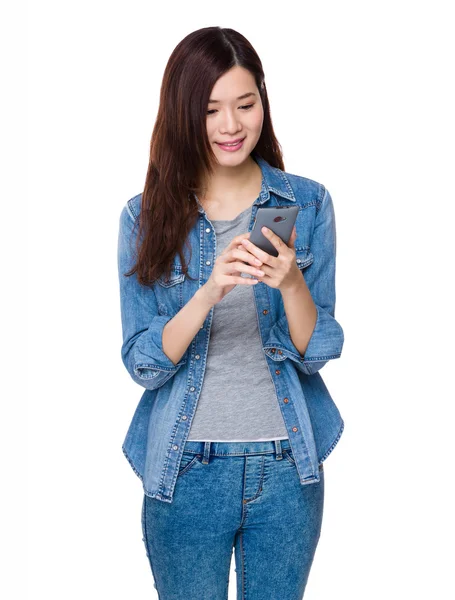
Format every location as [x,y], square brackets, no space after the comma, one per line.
[235,421]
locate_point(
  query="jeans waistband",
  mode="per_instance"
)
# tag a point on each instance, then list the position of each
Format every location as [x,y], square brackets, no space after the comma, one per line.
[207,449]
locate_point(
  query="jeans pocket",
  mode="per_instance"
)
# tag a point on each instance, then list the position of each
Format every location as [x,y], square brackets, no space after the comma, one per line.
[187,462]
[287,453]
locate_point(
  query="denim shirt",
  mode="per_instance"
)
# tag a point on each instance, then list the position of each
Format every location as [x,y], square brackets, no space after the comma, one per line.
[156,437]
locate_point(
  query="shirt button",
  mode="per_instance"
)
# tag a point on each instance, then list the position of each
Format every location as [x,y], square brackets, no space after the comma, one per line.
[197,356]
[192,388]
[280,352]
[265,311]
[174,447]
[278,371]
[207,262]
[286,400]
[207,230]
[295,429]
[273,350]
[298,260]
[184,418]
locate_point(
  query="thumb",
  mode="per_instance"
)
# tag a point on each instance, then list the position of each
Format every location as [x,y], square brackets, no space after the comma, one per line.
[293,237]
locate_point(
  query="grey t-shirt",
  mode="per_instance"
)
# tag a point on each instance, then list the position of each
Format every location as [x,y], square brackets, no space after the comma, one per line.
[238,399]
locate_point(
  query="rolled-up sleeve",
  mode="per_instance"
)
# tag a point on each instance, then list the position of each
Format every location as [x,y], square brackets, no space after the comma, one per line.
[142,326]
[327,339]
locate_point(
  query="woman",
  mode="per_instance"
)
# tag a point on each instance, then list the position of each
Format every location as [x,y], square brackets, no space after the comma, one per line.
[235,421]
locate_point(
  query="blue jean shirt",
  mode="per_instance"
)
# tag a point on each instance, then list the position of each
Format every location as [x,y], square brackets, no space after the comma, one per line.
[159,428]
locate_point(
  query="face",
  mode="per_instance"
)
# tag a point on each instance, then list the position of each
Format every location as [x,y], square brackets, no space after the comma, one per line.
[233,117]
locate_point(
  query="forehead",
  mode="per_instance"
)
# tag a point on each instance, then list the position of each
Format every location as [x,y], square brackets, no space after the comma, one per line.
[236,84]
[242,97]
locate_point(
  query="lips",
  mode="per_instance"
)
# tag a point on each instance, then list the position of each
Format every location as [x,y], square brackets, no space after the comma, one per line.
[231,143]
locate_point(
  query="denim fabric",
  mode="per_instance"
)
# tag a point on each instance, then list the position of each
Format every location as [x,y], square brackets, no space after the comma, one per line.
[244,496]
[159,428]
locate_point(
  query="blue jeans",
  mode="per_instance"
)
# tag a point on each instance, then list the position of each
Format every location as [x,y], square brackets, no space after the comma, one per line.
[241,495]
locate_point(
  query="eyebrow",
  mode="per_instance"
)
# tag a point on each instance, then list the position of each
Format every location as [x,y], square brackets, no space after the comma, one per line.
[247,95]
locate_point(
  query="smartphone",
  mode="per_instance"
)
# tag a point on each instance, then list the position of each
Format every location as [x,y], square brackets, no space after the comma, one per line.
[280,219]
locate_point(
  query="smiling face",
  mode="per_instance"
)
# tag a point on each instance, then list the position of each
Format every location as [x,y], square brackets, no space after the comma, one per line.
[234,112]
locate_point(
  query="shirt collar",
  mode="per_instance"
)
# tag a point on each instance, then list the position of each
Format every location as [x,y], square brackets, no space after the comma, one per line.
[273,180]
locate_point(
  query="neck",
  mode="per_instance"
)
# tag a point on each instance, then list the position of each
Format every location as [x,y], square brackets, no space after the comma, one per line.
[230,186]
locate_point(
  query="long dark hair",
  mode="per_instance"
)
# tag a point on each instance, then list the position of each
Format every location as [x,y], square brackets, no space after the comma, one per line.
[180,153]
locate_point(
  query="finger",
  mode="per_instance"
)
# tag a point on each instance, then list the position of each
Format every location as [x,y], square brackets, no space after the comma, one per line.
[237,240]
[247,257]
[243,256]
[292,238]
[260,254]
[273,238]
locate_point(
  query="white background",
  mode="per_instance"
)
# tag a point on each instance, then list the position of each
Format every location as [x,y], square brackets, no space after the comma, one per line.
[362,101]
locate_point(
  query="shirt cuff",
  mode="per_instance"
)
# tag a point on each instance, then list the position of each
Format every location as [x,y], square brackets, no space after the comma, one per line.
[325,344]
[150,361]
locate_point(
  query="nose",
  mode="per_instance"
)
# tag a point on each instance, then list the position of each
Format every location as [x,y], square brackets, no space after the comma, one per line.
[230,123]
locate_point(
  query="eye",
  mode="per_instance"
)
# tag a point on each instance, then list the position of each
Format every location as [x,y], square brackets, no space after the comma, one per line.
[245,107]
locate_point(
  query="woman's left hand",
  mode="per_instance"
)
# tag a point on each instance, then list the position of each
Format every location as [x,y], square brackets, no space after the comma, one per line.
[280,271]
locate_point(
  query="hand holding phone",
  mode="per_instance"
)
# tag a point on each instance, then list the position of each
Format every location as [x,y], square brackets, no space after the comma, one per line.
[228,271]
[279,219]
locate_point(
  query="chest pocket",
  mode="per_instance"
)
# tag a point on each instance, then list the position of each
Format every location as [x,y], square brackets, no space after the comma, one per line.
[303,257]
[176,276]
[169,292]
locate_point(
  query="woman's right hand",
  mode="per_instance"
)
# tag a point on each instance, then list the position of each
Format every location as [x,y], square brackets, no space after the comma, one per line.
[227,268]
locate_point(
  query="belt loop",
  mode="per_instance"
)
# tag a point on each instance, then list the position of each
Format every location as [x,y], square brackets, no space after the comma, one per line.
[279,455]
[205,459]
